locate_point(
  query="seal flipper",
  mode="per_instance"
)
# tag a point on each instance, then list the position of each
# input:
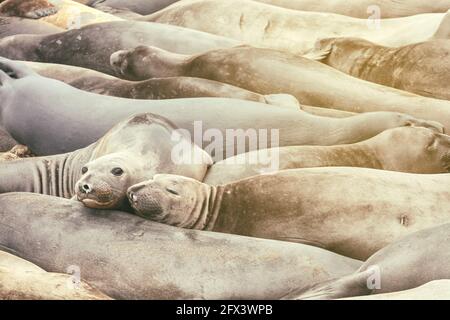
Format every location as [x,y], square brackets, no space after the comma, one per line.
[320,51]
[443,32]
[32,9]
[15,70]
[349,286]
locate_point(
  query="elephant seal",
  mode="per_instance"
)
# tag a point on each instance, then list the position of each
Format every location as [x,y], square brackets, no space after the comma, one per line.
[434,290]
[365,8]
[268,71]
[422,68]
[230,123]
[100,174]
[73,15]
[32,9]
[413,261]
[127,257]
[411,150]
[84,48]
[162,88]
[10,26]
[22,280]
[17,152]
[142,7]
[303,205]
[267,26]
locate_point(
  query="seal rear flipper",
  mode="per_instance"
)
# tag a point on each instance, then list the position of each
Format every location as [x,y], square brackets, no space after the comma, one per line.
[443,32]
[32,9]
[15,70]
[348,286]
[320,52]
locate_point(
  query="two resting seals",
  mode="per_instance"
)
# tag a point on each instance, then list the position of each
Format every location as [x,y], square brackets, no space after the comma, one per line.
[127,257]
[303,205]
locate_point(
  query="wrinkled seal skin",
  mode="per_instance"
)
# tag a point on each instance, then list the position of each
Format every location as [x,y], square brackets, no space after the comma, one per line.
[84,48]
[78,113]
[22,280]
[142,7]
[10,26]
[359,9]
[91,173]
[411,68]
[32,9]
[434,290]
[154,89]
[408,263]
[411,150]
[262,25]
[157,259]
[268,71]
[303,205]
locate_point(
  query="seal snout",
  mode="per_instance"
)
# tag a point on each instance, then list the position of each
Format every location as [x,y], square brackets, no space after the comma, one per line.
[118,61]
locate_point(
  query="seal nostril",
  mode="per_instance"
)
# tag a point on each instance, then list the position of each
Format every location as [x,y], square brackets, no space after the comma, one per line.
[86,187]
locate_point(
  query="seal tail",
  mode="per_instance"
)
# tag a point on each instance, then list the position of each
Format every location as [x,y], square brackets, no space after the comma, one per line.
[443,32]
[349,286]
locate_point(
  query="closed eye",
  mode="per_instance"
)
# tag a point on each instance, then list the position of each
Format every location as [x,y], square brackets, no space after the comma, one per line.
[172,191]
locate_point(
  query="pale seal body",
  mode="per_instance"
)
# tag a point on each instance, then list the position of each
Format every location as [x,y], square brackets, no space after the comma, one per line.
[365,8]
[262,25]
[413,261]
[127,257]
[422,68]
[78,115]
[100,174]
[303,205]
[267,71]
[22,280]
[412,150]
[10,26]
[84,48]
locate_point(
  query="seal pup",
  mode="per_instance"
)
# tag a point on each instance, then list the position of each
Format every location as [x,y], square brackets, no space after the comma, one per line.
[268,71]
[10,26]
[84,48]
[413,261]
[100,174]
[32,9]
[127,257]
[422,68]
[301,205]
[365,8]
[22,280]
[204,119]
[406,149]
[262,25]
[154,89]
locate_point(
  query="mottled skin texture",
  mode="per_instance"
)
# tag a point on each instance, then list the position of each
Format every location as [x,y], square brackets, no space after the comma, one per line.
[32,9]
[10,26]
[422,68]
[269,71]
[140,147]
[17,152]
[433,290]
[273,27]
[84,48]
[303,205]
[127,257]
[413,150]
[410,262]
[359,9]
[78,112]
[138,6]
[154,89]
[22,280]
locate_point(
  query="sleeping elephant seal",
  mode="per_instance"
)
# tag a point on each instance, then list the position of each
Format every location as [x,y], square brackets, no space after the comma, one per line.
[230,123]
[10,26]
[84,48]
[127,257]
[422,68]
[267,26]
[303,205]
[154,89]
[100,174]
[412,150]
[365,8]
[22,280]
[268,71]
[434,290]
[142,7]
[32,9]
[413,261]
[17,152]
